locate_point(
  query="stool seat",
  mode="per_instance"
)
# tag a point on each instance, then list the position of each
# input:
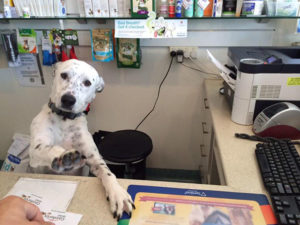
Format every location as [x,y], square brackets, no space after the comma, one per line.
[124,146]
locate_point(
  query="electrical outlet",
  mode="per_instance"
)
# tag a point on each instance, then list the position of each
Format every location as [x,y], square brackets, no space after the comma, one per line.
[188,51]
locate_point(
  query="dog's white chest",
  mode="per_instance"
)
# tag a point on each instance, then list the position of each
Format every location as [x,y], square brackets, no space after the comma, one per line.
[69,134]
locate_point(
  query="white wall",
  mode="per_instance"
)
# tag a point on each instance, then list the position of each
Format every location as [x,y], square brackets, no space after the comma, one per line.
[129,94]
[286,32]
[175,125]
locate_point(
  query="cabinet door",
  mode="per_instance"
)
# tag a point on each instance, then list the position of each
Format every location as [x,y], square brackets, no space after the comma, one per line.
[215,171]
[205,146]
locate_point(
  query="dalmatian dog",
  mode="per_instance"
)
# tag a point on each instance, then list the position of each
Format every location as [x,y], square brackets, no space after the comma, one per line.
[60,140]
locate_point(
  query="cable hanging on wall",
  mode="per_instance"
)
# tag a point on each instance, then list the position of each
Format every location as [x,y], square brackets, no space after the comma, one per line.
[158,93]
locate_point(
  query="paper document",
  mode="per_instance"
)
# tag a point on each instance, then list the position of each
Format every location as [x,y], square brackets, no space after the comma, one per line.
[51,196]
[54,194]
[224,71]
[62,218]
[57,217]
[54,216]
[39,201]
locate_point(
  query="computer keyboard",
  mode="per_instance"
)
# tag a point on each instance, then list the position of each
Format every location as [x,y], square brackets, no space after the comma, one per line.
[279,164]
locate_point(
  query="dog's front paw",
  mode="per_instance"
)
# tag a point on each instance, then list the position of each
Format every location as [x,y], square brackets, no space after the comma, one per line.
[119,200]
[67,161]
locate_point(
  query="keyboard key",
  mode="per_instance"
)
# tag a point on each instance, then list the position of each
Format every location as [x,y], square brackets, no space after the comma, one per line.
[267,180]
[296,190]
[280,188]
[263,163]
[286,203]
[290,216]
[271,184]
[278,203]
[285,182]
[292,221]
[279,209]
[282,219]
[274,191]
[276,198]
[265,175]
[288,189]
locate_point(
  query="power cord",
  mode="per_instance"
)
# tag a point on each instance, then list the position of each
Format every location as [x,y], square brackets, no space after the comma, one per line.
[173,54]
[201,71]
[264,139]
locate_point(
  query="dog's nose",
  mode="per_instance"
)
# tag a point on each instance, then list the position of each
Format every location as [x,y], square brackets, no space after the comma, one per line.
[68,100]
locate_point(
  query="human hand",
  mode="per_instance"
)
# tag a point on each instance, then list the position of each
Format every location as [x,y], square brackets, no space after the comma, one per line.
[16,211]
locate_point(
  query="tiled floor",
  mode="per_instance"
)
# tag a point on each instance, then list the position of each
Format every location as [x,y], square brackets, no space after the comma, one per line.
[185,176]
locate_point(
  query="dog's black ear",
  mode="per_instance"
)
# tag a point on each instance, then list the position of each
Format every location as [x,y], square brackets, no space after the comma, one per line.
[100,85]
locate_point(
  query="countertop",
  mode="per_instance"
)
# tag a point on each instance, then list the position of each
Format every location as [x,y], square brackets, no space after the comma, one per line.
[89,199]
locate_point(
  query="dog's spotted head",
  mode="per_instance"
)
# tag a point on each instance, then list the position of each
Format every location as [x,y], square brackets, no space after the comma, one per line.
[75,85]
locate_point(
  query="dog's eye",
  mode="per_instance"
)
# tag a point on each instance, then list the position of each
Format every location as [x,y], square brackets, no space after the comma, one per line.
[87,83]
[64,75]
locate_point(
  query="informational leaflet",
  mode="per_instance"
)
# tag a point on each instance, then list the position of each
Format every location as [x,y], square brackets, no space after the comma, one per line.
[152,208]
[151,28]
[29,73]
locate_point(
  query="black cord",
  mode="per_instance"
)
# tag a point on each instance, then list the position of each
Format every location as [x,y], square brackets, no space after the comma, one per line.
[199,70]
[157,94]
[264,139]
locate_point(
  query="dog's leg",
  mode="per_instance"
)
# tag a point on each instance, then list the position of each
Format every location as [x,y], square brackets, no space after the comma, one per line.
[118,197]
[44,154]
[42,151]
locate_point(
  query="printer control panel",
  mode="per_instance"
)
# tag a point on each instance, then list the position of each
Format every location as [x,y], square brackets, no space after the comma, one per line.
[272,60]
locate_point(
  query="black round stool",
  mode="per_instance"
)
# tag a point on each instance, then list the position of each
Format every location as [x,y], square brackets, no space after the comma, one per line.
[124,152]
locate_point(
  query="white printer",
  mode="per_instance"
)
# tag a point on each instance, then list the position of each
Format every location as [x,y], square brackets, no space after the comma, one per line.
[260,77]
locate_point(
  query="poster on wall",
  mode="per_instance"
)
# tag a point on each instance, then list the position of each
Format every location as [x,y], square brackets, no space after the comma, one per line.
[151,28]
[29,73]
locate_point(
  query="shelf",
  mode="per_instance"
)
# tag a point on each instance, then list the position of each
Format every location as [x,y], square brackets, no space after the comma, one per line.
[114,18]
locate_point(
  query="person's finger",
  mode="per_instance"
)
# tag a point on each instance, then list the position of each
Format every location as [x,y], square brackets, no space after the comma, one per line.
[33,213]
[39,223]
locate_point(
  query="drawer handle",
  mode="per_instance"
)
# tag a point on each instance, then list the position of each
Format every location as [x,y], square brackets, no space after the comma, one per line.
[202,150]
[206,103]
[203,128]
